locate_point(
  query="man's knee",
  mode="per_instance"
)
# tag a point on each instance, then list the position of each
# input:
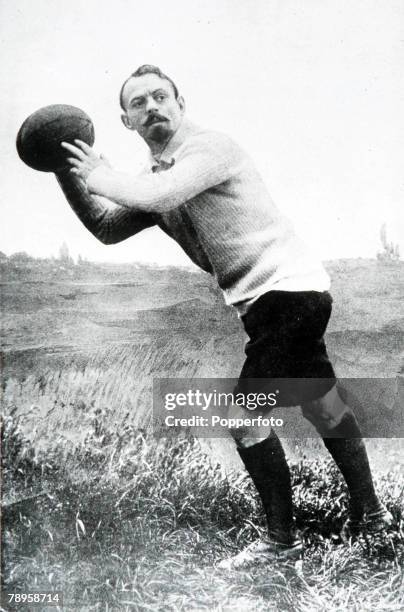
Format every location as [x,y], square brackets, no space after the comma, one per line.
[243,435]
[238,430]
[326,412]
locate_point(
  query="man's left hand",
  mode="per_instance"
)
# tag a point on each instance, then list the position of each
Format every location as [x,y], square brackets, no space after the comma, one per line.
[85,160]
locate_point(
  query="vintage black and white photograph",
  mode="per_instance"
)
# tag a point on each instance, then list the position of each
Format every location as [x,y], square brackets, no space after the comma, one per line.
[202,289]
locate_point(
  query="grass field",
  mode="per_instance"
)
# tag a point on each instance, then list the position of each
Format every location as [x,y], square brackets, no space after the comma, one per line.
[122,522]
[95,507]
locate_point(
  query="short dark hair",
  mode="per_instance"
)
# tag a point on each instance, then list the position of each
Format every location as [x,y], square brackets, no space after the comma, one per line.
[147,69]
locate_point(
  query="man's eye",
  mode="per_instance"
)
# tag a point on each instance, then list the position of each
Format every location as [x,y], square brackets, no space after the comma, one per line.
[160,98]
[137,103]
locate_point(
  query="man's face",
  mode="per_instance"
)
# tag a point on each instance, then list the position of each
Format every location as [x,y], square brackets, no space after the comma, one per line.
[151,108]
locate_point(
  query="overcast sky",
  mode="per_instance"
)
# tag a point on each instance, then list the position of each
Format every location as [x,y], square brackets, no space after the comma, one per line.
[312,89]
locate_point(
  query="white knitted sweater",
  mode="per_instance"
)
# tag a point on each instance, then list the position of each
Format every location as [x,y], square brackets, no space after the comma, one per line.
[206,194]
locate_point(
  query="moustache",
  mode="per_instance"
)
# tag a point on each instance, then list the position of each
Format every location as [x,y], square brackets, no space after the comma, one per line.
[153,119]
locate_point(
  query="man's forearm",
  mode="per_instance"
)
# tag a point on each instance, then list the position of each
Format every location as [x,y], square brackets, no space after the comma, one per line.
[200,168]
[108,223]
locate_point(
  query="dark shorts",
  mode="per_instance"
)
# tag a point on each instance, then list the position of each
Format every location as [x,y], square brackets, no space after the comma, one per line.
[286,331]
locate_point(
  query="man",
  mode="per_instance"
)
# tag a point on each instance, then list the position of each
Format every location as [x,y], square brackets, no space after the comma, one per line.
[205,192]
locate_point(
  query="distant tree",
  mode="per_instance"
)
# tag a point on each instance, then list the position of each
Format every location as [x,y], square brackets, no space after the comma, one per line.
[21,257]
[391,251]
[64,255]
[3,256]
[383,236]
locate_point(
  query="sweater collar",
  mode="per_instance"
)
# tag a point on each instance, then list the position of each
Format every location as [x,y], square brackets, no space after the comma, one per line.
[185,129]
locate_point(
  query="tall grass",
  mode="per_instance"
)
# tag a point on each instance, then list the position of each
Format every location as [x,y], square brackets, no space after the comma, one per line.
[120,521]
[117,381]
[95,507]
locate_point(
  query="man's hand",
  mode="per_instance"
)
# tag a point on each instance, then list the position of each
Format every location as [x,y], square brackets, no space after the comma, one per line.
[85,160]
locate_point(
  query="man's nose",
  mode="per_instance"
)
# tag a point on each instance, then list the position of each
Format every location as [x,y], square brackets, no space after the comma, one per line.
[151,104]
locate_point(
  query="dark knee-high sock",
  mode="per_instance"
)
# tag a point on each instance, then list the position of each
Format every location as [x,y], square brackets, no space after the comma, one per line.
[349,453]
[267,466]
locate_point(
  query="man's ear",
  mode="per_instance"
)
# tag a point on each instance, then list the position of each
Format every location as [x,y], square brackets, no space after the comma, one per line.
[126,122]
[181,103]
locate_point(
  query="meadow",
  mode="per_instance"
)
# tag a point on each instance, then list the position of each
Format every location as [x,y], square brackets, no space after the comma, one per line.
[95,507]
